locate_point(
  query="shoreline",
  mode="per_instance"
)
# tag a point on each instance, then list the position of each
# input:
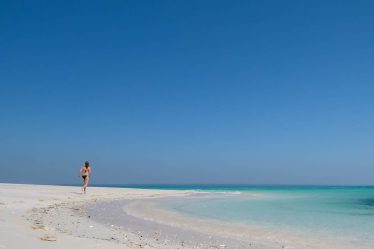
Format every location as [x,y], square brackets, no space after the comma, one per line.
[159,234]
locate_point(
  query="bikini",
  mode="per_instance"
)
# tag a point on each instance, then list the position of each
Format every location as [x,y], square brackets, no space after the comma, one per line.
[85,172]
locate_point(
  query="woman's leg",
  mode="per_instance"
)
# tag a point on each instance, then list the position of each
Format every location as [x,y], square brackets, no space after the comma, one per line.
[85,184]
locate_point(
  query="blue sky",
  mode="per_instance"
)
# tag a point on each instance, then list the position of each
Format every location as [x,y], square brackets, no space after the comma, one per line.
[249,92]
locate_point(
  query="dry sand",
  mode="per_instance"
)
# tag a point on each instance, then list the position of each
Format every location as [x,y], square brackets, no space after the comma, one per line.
[41,216]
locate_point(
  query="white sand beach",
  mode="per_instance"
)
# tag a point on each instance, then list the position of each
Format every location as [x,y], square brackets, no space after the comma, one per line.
[26,209]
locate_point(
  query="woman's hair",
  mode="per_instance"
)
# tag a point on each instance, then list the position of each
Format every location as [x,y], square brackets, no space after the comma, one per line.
[86,164]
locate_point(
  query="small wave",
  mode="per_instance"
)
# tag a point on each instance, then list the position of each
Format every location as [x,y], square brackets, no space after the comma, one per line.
[221,192]
[231,192]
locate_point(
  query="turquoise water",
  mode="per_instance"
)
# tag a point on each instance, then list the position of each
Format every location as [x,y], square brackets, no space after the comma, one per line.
[346,213]
[343,213]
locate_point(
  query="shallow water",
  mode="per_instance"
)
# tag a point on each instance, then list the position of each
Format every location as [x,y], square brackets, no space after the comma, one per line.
[332,213]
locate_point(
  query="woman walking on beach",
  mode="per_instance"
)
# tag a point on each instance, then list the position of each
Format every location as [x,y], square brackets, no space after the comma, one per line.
[86,173]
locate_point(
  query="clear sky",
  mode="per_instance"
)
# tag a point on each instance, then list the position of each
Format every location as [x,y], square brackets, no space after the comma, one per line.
[249,92]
